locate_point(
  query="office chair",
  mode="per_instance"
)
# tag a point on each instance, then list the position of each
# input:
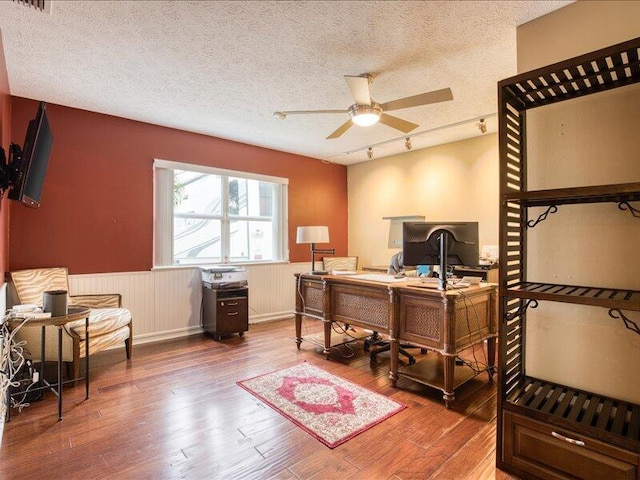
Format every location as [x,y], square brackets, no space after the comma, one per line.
[396,267]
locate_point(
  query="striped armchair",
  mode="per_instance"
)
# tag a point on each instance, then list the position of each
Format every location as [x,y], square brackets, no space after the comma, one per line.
[340,263]
[109,324]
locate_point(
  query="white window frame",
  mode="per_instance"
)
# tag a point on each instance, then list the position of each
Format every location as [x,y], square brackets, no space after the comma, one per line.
[163,211]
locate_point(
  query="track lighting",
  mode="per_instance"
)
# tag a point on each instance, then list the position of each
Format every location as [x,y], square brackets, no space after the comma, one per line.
[482,126]
[407,143]
[370,153]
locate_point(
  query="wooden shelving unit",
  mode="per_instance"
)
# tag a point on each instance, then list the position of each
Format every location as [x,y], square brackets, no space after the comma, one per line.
[590,435]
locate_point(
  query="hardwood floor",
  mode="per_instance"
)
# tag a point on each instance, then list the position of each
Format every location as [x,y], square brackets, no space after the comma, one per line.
[175,411]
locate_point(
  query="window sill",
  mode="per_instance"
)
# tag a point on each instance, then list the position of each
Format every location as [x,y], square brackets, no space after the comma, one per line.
[161,268]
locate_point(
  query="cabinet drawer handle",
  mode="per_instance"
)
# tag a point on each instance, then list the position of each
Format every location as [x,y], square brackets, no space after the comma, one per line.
[232,304]
[579,443]
[232,314]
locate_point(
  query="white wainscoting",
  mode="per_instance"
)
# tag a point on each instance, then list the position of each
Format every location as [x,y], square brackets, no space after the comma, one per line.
[166,303]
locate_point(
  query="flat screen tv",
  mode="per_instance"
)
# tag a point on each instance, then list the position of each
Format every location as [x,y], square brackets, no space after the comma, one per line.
[421,243]
[31,163]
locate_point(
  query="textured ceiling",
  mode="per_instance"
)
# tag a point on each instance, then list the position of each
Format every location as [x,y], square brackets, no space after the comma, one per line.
[222,68]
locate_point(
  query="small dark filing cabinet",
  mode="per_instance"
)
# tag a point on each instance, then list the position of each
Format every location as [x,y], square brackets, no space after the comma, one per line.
[225,311]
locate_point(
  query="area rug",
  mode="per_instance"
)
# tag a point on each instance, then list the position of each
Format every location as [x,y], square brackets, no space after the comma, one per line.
[330,408]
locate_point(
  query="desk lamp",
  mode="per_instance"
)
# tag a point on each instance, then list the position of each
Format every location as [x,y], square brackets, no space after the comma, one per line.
[313,235]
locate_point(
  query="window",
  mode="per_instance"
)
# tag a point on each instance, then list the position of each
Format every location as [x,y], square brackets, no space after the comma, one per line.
[208,215]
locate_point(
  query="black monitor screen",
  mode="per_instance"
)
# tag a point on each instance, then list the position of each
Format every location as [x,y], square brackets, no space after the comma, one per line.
[32,167]
[421,243]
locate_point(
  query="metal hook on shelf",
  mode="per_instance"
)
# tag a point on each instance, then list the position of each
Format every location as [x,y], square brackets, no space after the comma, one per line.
[521,309]
[543,216]
[630,324]
[627,206]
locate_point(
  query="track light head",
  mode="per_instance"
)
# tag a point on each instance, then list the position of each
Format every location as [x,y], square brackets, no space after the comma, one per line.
[407,143]
[482,126]
[370,153]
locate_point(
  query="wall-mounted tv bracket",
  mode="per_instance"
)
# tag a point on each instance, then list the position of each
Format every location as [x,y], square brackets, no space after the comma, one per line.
[9,170]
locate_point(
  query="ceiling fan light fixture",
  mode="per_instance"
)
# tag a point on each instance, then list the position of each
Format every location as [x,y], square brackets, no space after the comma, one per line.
[365,115]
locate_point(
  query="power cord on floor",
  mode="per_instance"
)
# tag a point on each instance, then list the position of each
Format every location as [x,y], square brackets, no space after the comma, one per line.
[13,361]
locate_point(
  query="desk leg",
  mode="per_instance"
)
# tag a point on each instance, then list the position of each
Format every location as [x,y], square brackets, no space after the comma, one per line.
[393,361]
[59,372]
[298,318]
[449,368]
[491,353]
[327,338]
[86,356]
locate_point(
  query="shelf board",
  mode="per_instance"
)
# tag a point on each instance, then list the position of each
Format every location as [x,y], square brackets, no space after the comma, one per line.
[430,371]
[595,415]
[595,296]
[624,192]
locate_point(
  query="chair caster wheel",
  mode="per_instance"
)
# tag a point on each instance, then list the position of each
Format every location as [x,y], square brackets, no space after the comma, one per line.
[241,334]
[412,361]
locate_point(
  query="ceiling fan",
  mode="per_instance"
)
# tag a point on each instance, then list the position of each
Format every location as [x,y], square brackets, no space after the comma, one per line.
[366,112]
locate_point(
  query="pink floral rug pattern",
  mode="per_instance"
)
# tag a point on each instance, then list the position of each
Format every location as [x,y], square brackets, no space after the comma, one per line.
[330,408]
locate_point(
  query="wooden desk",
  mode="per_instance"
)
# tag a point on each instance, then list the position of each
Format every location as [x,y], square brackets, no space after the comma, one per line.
[491,275]
[376,268]
[446,322]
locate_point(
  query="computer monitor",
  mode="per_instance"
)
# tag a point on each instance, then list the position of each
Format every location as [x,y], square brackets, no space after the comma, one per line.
[421,243]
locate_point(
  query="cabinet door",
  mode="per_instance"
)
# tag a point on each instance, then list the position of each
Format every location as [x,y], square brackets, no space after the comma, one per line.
[546,453]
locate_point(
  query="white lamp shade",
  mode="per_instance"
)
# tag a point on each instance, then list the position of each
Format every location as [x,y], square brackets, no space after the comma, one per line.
[313,234]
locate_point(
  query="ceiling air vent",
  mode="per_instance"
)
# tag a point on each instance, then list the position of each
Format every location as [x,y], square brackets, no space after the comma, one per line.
[42,5]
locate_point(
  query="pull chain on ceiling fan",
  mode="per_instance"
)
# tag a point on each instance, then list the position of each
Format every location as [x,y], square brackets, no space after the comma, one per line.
[365,112]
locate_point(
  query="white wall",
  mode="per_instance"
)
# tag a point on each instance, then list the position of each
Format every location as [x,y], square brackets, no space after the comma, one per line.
[166,303]
[587,141]
[453,182]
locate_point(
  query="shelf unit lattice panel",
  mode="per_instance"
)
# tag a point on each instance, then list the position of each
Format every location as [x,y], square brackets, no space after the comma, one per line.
[613,67]
[598,414]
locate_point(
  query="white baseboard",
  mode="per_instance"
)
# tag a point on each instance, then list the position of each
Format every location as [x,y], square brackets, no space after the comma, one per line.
[196,330]
[270,317]
[166,335]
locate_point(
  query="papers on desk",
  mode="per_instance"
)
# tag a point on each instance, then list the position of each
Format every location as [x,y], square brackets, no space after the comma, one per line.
[380,277]
[343,272]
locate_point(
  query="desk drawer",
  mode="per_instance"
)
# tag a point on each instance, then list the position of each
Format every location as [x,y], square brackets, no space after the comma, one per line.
[232,307]
[545,452]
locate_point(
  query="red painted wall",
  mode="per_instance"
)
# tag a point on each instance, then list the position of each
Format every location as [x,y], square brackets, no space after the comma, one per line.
[96,212]
[5,138]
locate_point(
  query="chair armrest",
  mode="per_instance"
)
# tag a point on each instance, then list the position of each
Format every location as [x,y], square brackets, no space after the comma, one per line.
[108,300]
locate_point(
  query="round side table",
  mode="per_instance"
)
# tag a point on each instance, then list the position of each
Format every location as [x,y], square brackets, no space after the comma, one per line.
[74,312]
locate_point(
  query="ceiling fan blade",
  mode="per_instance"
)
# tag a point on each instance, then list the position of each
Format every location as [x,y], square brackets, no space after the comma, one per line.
[436,96]
[397,123]
[284,113]
[359,87]
[341,129]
